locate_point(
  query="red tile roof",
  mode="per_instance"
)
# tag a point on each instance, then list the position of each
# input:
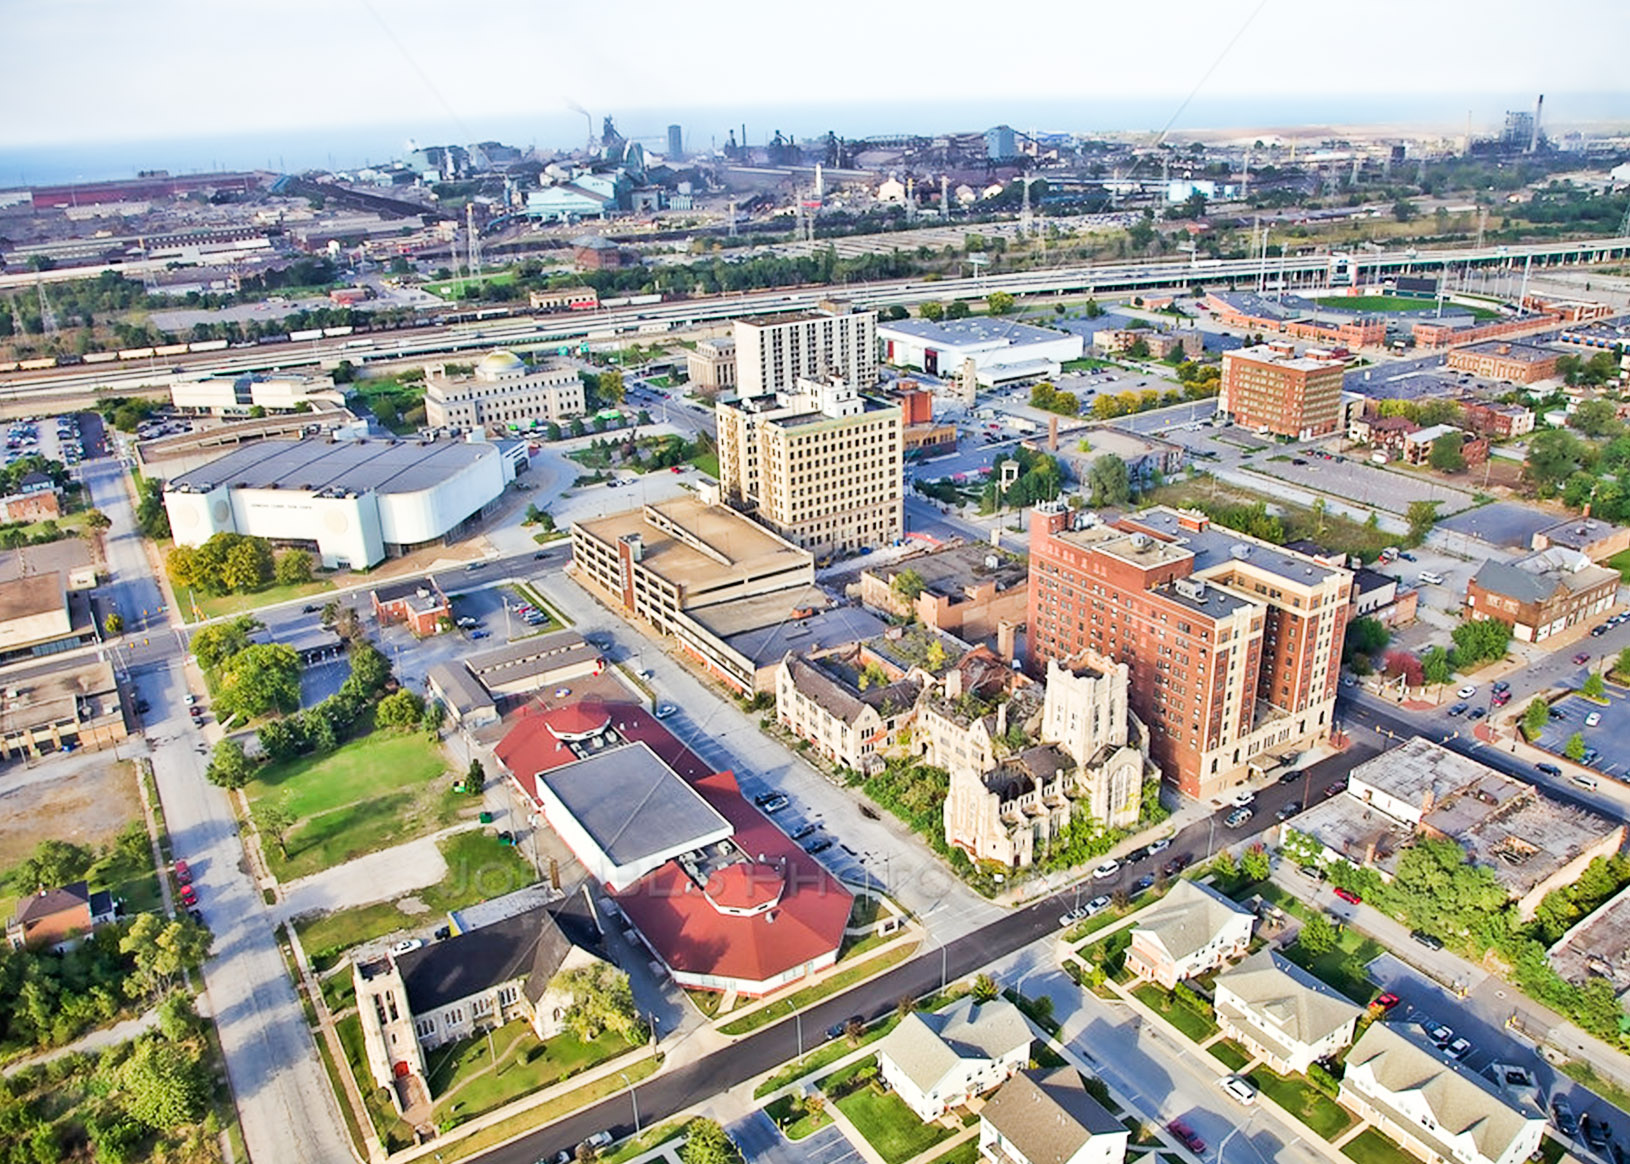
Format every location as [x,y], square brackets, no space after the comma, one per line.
[746,885]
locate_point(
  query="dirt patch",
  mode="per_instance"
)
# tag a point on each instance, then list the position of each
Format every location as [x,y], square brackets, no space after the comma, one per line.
[89,807]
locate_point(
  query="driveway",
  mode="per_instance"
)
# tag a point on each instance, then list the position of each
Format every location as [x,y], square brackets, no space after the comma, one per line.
[762,1143]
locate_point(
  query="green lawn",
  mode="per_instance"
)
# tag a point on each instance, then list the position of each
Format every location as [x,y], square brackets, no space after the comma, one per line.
[365,767]
[1372,1147]
[463,1081]
[1193,1024]
[478,868]
[1314,1108]
[1389,303]
[809,995]
[1343,967]
[890,1126]
[220,605]
[391,1128]
[708,463]
[370,794]
[966,1152]
[1230,1053]
[794,1118]
[1620,562]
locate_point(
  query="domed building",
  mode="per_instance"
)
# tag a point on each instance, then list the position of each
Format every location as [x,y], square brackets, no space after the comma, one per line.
[502,389]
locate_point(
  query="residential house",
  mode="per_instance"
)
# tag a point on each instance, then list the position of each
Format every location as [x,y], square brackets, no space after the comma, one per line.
[55,918]
[416,602]
[1192,930]
[1382,433]
[935,1062]
[1434,1107]
[411,1003]
[1047,1117]
[1280,1012]
[1497,420]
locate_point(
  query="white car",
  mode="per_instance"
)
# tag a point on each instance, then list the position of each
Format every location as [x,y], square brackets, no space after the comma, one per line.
[1593,719]
[1467,692]
[1108,869]
[407,945]
[1244,798]
[1159,846]
[1238,1088]
[664,710]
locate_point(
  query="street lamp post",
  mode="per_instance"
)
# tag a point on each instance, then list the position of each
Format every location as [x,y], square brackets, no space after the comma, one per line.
[1222,1148]
[633,1099]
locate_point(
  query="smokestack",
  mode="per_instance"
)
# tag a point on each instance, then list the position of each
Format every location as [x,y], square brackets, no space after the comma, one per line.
[1052,433]
[1533,138]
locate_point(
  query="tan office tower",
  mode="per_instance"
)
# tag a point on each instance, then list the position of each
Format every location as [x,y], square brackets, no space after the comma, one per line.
[773,352]
[1270,389]
[821,465]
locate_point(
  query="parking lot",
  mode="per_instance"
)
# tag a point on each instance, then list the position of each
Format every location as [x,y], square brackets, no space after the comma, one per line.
[1503,523]
[761,1143]
[1614,723]
[1368,485]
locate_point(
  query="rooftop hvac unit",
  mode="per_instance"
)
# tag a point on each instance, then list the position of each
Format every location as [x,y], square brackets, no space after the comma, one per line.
[1240,551]
[1140,541]
[992,561]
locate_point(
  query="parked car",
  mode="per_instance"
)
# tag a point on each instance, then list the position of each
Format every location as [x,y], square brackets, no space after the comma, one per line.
[1311,872]
[1499,685]
[1177,864]
[1476,713]
[1458,709]
[1238,1089]
[1079,913]
[1143,884]
[1188,1136]
[1593,719]
[1467,691]
[1238,817]
[806,830]
[775,803]
[183,873]
[1430,941]
[197,915]
[1108,869]
[837,1029]
[664,710]
[818,846]
[189,896]
[1582,658]
[1386,1001]
[1097,905]
[310,608]
[1336,789]
[1160,845]
[1500,698]
[1289,810]
[1459,1049]
[1439,1034]
[1243,798]
[1348,896]
[1597,632]
[479,634]
[406,946]
[1562,1115]
[599,1140]
[1594,1131]
[1548,769]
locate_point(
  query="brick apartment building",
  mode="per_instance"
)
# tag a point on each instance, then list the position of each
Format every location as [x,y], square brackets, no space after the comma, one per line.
[1498,360]
[1270,387]
[1233,644]
[1542,594]
[1497,420]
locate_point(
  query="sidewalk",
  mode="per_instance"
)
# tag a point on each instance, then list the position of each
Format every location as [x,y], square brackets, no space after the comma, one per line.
[94,1041]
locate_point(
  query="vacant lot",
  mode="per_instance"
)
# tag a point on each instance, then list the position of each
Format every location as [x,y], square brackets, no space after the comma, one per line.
[89,807]
[374,792]
[1330,531]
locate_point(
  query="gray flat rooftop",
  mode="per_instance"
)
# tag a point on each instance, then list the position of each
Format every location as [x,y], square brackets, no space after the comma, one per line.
[633,806]
[981,331]
[1420,772]
[315,466]
[950,571]
[1216,546]
[530,656]
[1598,946]
[1527,353]
[824,631]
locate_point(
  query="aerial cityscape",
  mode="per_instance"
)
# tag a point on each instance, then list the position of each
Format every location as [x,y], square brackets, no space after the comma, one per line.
[575,591]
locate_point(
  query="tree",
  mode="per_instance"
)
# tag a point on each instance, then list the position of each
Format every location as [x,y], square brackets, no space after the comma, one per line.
[1435,666]
[1225,866]
[707,1143]
[1403,664]
[1422,516]
[54,863]
[1092,310]
[248,565]
[475,777]
[114,624]
[1318,936]
[956,309]
[274,818]
[1553,457]
[610,386]
[1404,210]
[228,766]
[932,311]
[97,520]
[1575,747]
[261,678]
[1365,636]
[1595,687]
[1623,665]
[1479,639]
[435,714]
[369,669]
[1446,456]
[1108,481]
[1534,718]
[999,302]
[164,1085]
[293,567]
[602,1000]
[1595,418]
[907,584]
[400,709]
[1255,864]
[984,988]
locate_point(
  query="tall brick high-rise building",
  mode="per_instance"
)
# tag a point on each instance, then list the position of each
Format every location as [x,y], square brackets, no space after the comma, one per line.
[1233,645]
[1270,387]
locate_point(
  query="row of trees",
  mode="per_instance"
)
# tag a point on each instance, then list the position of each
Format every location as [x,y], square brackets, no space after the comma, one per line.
[230,562]
[248,679]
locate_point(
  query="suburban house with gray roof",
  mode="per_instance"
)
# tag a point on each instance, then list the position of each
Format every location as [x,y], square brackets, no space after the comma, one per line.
[935,1062]
[1281,1012]
[1047,1117]
[1192,930]
[1543,594]
[411,1003]
[1435,1108]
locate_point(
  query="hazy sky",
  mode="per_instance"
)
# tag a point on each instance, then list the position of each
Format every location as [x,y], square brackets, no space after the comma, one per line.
[112,70]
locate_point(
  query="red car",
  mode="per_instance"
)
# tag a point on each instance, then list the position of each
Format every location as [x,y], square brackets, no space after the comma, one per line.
[1581,658]
[1348,896]
[1187,1134]
[1386,1001]
[183,873]
[188,897]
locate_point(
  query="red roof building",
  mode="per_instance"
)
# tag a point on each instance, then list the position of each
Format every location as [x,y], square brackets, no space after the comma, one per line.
[750,914]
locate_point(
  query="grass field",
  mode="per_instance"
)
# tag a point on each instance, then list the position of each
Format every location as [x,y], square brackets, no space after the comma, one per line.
[1229,1053]
[220,605]
[1372,1147]
[1193,1024]
[707,463]
[371,793]
[1620,562]
[1314,1108]
[890,1126]
[1388,303]
[1331,531]
[465,1082]
[478,867]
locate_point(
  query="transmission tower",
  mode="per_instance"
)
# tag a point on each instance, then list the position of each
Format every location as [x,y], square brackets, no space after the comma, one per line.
[475,240]
[48,318]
